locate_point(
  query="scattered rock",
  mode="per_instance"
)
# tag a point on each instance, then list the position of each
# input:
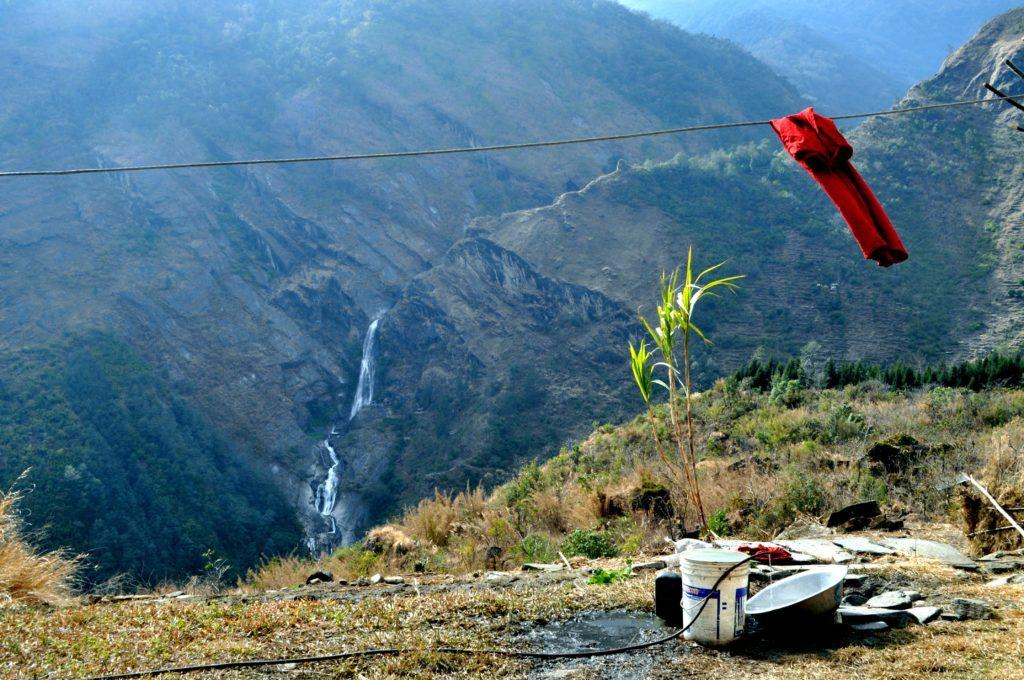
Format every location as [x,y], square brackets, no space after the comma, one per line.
[964,609]
[804,529]
[894,599]
[855,516]
[857,544]
[931,549]
[534,566]
[896,618]
[375,579]
[818,548]
[319,577]
[870,627]
[668,596]
[924,615]
[1000,554]
[854,580]
[1003,566]
[887,523]
[393,580]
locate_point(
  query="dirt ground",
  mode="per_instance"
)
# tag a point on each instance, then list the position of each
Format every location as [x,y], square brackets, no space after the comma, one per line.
[506,611]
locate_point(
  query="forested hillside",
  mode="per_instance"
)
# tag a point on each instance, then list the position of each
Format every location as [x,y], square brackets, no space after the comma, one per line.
[252,289]
[121,468]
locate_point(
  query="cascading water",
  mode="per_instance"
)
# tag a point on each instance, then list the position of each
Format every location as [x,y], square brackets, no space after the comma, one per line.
[364,388]
[327,492]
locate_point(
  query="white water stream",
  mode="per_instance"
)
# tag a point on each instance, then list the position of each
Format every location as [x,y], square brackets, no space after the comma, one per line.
[327,492]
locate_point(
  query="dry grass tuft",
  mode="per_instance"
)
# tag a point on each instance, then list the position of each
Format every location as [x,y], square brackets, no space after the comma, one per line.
[1003,476]
[389,540]
[26,576]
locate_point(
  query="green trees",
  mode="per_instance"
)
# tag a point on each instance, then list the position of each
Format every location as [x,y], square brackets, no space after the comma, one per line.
[998,369]
[124,471]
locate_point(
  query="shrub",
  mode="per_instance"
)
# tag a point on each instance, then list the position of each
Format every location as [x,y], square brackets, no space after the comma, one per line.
[718,522]
[538,548]
[606,576]
[592,544]
[25,575]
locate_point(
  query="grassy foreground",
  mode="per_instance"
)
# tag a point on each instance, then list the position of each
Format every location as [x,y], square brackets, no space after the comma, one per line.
[82,640]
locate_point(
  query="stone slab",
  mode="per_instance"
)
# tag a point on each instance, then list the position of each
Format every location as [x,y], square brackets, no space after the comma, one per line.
[857,544]
[823,550]
[943,552]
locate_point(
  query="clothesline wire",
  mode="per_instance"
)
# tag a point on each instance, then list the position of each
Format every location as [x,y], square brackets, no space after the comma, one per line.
[478,149]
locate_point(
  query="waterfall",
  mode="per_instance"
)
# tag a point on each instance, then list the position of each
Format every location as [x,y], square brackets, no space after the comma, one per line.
[327,493]
[364,388]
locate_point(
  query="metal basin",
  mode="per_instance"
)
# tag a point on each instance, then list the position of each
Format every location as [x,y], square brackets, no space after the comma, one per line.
[813,593]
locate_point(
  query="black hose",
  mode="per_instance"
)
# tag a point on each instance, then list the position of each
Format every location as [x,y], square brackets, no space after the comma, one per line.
[256,663]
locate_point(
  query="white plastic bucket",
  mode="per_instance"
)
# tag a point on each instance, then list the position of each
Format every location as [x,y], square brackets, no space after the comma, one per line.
[724,617]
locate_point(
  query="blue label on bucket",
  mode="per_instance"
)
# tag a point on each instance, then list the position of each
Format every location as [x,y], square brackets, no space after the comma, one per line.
[741,605]
[698,594]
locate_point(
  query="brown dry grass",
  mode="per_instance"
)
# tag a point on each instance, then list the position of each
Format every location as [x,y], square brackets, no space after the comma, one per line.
[1003,476]
[28,576]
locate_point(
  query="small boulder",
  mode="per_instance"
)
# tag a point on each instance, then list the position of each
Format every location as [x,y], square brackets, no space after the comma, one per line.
[319,577]
[375,579]
[855,516]
[896,618]
[965,609]
[893,599]
[393,580]
[924,615]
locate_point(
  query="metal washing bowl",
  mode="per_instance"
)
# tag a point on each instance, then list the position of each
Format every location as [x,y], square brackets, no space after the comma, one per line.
[813,593]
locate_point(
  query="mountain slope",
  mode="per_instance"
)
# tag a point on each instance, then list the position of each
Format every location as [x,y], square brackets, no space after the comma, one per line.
[845,55]
[949,178]
[253,288]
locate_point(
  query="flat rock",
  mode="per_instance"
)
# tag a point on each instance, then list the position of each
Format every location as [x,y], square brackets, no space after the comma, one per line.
[963,609]
[1005,581]
[894,599]
[654,565]
[1003,566]
[924,615]
[856,544]
[1000,554]
[855,580]
[931,549]
[870,627]
[897,618]
[534,566]
[821,549]
[804,529]
[393,580]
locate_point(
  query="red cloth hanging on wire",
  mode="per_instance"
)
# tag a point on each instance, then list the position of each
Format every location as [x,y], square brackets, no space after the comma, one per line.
[816,143]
